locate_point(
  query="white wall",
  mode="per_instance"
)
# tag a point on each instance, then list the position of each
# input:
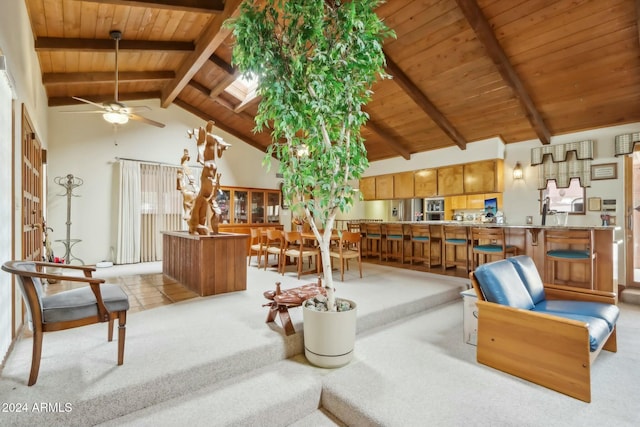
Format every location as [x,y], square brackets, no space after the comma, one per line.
[85,146]
[16,45]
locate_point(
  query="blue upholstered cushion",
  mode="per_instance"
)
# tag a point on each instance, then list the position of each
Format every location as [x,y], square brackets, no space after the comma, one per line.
[370,235]
[529,274]
[501,284]
[598,328]
[490,248]
[456,241]
[565,253]
[607,312]
[81,303]
[421,238]
[394,236]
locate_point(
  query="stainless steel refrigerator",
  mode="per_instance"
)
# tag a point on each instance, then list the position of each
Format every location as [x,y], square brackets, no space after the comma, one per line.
[407,210]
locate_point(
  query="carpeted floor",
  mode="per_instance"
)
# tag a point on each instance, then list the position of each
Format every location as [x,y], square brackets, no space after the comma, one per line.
[212,361]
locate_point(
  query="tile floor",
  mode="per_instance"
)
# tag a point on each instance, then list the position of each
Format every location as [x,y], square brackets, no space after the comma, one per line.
[145,291]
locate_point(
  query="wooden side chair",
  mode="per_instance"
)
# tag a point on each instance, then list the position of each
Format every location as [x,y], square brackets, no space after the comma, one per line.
[273,245]
[98,302]
[350,247]
[489,241]
[294,247]
[256,245]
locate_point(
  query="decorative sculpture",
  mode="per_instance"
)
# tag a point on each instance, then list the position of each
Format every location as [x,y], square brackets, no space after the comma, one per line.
[203,212]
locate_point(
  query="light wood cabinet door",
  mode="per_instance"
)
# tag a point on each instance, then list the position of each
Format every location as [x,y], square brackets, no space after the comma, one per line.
[384,187]
[403,185]
[368,188]
[450,180]
[458,202]
[426,183]
[475,201]
[483,177]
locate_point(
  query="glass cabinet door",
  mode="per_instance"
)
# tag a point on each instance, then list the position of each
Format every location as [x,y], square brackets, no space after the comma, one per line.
[273,207]
[257,207]
[223,203]
[240,200]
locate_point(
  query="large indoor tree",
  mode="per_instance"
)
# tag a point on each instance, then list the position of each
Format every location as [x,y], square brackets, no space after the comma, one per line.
[316,62]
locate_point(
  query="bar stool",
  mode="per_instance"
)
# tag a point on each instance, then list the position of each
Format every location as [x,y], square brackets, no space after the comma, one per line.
[420,234]
[394,241]
[489,241]
[455,237]
[374,235]
[572,248]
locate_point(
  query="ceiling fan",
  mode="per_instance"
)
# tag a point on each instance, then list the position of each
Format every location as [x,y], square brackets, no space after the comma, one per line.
[115,112]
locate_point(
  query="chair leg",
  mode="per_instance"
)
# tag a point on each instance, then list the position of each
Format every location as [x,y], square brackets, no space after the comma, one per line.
[122,323]
[110,329]
[36,353]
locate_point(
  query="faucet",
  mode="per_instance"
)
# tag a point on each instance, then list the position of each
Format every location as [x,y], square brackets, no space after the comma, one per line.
[545,207]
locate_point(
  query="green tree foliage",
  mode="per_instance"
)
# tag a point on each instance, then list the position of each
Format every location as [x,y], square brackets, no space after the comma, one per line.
[316,62]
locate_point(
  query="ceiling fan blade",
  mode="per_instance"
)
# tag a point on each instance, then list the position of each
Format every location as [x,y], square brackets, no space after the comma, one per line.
[145,120]
[136,109]
[88,102]
[85,112]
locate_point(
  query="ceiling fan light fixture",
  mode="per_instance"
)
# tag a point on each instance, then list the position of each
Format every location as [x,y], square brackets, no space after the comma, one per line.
[115,117]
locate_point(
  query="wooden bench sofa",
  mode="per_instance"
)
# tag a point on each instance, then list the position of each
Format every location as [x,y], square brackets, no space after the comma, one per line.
[546,334]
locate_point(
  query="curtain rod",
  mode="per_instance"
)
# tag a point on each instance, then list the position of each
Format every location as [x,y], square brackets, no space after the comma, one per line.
[153,162]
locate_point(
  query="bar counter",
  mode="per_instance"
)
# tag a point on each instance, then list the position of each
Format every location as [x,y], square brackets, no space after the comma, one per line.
[529,240]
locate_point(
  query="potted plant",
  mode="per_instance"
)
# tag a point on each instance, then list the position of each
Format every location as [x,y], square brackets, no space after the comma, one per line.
[316,62]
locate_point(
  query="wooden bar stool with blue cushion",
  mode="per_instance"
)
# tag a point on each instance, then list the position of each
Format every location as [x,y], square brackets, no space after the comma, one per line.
[421,237]
[374,235]
[394,241]
[572,248]
[456,239]
[490,241]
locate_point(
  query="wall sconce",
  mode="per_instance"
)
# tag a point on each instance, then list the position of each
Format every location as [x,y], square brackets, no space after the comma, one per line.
[517,171]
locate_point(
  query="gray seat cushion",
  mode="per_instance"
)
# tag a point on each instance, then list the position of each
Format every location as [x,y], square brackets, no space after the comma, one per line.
[81,303]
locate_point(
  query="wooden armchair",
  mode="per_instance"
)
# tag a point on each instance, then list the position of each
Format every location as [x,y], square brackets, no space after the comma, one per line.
[546,334]
[87,305]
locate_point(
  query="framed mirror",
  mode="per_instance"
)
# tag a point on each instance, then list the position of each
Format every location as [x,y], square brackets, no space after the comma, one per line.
[571,199]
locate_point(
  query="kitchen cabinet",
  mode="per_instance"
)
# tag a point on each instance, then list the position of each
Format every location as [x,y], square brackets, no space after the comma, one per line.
[450,180]
[483,177]
[426,183]
[403,185]
[475,201]
[456,202]
[384,187]
[368,188]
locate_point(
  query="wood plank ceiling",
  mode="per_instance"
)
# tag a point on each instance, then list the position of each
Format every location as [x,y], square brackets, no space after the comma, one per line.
[464,70]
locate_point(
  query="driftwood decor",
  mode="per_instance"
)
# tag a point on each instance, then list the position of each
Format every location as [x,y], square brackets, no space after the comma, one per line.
[200,207]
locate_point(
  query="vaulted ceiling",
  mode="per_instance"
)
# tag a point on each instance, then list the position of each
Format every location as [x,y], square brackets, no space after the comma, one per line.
[463,70]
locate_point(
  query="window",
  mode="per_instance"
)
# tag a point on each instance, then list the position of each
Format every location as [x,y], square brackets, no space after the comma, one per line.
[570,199]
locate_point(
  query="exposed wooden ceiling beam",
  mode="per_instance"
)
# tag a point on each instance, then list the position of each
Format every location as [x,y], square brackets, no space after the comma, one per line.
[211,39]
[231,74]
[132,96]
[638,17]
[205,91]
[424,103]
[202,6]
[105,77]
[391,140]
[44,44]
[485,34]
[193,110]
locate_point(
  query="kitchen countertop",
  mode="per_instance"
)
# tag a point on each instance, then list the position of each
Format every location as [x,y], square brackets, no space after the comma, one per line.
[508,225]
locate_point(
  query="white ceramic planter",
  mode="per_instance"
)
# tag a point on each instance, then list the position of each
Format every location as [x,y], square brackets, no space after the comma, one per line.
[329,336]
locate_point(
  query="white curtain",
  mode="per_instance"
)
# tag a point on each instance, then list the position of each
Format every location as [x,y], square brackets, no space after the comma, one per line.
[129,213]
[161,208]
